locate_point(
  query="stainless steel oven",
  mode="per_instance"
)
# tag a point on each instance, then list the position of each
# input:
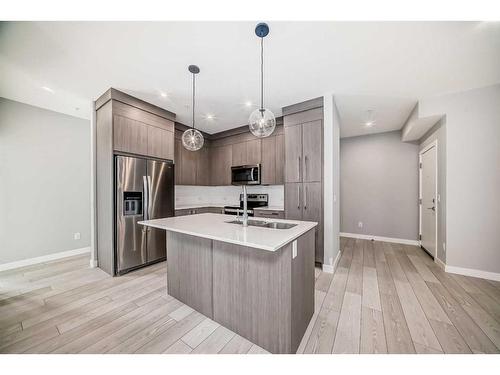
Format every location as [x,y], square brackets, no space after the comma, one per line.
[245,175]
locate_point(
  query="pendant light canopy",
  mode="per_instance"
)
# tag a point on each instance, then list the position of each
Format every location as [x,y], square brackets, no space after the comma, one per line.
[192,139]
[262,121]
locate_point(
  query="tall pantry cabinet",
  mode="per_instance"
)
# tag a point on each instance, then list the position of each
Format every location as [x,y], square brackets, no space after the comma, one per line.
[304,167]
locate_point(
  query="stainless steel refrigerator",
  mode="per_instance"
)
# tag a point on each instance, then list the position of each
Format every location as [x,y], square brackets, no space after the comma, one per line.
[144,190]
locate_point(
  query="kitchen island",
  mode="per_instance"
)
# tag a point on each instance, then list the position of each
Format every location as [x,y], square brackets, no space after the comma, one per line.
[257,281]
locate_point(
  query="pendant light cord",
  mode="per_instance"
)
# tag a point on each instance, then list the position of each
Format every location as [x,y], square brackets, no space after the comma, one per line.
[194,85]
[261,73]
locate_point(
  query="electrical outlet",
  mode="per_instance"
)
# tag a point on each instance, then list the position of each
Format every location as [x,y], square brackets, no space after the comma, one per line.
[76,236]
[360,224]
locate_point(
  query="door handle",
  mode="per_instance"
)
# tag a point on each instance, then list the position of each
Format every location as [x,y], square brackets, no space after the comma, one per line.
[305,168]
[145,199]
[149,196]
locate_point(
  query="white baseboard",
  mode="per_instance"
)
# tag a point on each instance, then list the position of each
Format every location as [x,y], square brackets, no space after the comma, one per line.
[440,263]
[472,272]
[93,263]
[379,238]
[330,268]
[43,259]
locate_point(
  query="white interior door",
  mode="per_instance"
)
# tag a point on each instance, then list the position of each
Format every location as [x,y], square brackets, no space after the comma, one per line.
[428,206]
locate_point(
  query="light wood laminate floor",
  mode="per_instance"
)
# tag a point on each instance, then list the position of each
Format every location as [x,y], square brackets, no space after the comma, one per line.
[383,298]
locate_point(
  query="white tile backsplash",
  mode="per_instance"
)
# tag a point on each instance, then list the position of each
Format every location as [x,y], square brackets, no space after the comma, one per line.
[225,195]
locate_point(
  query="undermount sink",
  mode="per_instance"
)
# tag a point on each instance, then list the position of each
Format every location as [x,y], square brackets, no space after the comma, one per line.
[264,224]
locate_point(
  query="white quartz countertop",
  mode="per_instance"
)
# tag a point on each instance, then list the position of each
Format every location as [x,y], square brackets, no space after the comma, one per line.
[215,227]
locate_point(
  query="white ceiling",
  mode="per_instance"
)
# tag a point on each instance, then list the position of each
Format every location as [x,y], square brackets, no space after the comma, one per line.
[384,65]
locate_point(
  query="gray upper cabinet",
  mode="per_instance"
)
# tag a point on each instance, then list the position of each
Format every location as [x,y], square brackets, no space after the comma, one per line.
[268,162]
[312,140]
[293,153]
[221,158]
[160,143]
[239,153]
[188,166]
[280,159]
[253,152]
[129,135]
[203,167]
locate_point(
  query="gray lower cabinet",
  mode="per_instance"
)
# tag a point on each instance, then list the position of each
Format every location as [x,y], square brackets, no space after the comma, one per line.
[293,201]
[265,296]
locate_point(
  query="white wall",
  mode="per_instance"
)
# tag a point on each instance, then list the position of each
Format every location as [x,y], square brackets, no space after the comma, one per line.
[472,176]
[44,174]
[224,195]
[331,168]
[379,186]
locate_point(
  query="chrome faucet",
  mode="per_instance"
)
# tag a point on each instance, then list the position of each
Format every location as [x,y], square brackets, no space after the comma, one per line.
[245,211]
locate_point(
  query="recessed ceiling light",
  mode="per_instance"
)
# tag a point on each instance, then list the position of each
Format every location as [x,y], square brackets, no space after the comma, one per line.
[209,116]
[248,103]
[370,123]
[163,94]
[48,89]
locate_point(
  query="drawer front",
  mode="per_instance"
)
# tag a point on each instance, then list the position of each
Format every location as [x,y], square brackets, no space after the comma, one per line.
[269,214]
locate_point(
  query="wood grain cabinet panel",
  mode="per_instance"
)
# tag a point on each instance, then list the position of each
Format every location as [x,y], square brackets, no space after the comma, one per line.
[293,201]
[160,143]
[293,153]
[313,211]
[178,161]
[268,176]
[129,135]
[311,150]
[221,160]
[253,151]
[280,159]
[239,153]
[188,166]
[203,166]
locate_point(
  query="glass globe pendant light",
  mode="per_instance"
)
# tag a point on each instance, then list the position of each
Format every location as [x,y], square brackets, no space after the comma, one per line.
[262,121]
[192,139]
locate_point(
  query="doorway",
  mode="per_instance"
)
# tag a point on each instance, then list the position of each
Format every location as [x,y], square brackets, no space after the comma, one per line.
[428,198]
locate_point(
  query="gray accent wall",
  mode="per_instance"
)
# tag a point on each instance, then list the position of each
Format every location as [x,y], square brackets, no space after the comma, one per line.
[472,176]
[45,182]
[379,186]
[438,133]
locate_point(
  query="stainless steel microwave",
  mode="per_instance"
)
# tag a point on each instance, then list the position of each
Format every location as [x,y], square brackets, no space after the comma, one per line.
[245,175]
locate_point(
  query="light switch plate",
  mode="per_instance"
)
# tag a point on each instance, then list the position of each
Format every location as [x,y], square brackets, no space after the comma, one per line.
[294,249]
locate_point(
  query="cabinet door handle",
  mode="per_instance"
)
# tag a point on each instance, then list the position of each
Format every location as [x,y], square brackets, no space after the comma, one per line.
[305,197]
[298,167]
[298,197]
[305,168]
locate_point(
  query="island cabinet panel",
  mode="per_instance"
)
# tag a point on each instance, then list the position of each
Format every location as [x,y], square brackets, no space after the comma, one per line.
[252,294]
[302,287]
[189,271]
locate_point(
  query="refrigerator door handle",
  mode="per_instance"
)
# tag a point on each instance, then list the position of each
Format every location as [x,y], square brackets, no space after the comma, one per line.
[149,200]
[145,203]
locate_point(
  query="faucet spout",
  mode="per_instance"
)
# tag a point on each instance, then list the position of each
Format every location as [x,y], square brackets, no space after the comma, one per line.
[245,210]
